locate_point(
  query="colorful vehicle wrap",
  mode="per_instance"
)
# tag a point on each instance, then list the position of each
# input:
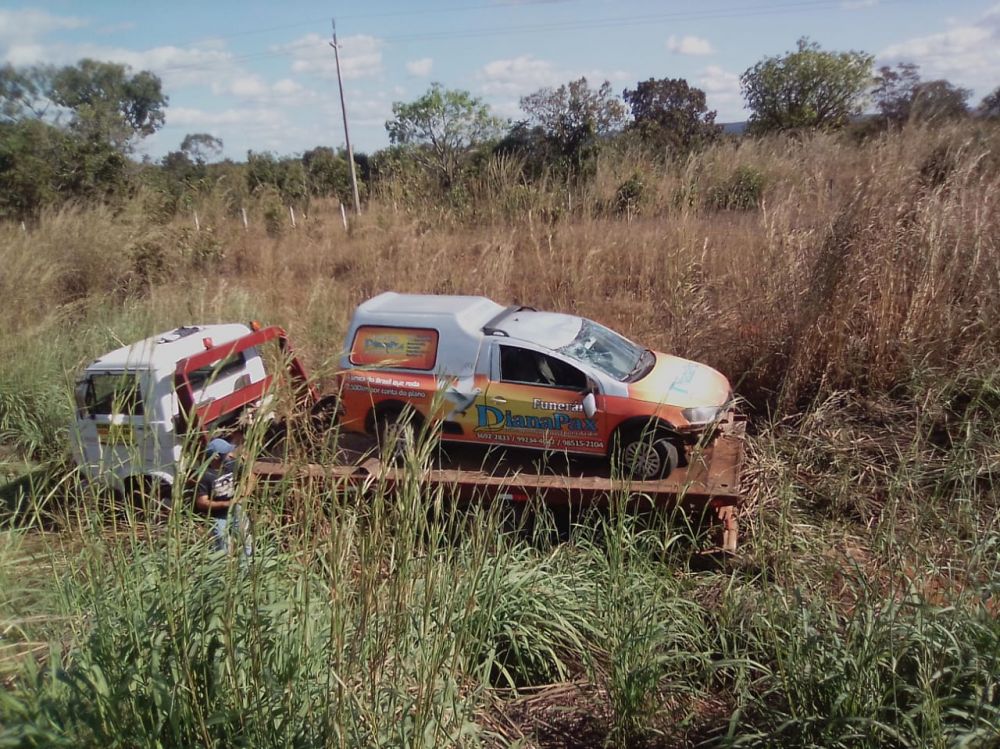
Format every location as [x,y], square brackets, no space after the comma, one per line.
[395,348]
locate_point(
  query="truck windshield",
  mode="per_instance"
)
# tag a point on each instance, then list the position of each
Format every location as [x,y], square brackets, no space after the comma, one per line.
[605,350]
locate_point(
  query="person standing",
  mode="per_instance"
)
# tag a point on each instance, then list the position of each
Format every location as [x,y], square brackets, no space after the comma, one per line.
[217,497]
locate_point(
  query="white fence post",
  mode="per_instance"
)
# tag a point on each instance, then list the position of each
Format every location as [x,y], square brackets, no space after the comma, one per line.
[343,216]
[246,225]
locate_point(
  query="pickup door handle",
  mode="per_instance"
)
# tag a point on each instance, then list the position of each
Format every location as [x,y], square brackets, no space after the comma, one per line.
[498,399]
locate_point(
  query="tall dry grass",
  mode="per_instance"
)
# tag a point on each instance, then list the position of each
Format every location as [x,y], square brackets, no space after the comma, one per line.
[863,266]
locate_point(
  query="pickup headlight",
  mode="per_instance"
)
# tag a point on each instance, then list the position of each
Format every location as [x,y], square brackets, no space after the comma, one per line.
[702,414]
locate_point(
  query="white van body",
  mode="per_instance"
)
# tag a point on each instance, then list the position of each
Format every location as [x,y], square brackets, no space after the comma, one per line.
[126,425]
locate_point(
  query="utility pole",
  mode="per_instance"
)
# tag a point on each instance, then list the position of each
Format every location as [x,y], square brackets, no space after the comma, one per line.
[343,109]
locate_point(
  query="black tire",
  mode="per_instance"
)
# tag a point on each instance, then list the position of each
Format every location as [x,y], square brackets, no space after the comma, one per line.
[396,430]
[647,457]
[323,414]
[149,496]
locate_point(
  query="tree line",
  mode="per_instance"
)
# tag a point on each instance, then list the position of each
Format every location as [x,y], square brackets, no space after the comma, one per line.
[69,133]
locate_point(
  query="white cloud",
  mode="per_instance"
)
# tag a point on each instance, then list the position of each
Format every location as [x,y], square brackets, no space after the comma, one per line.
[523,75]
[208,64]
[370,108]
[967,54]
[248,86]
[858,4]
[194,118]
[716,80]
[252,87]
[722,92]
[421,67]
[689,45]
[360,56]
[518,75]
[287,87]
[177,66]
[22,26]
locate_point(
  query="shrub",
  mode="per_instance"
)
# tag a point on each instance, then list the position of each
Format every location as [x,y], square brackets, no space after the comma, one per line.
[741,192]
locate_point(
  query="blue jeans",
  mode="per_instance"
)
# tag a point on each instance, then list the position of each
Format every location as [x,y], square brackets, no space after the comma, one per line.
[232,531]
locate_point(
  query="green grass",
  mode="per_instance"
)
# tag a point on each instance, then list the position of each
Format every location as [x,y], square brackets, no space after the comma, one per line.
[399,621]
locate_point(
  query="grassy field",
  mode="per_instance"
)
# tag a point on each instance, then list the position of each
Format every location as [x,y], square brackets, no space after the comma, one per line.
[851,291]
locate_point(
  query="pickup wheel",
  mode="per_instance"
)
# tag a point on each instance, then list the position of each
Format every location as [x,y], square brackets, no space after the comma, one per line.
[396,430]
[647,457]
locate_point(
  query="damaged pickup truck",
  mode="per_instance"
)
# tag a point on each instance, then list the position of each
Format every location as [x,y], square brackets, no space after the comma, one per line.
[515,376]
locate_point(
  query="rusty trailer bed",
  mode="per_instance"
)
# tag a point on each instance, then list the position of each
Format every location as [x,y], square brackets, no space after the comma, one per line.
[709,483]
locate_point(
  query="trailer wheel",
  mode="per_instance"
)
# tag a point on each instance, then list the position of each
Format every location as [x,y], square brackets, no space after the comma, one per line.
[646,457]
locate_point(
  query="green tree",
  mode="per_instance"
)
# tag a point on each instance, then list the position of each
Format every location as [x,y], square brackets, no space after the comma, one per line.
[66,132]
[574,117]
[328,173]
[25,92]
[200,147]
[990,105]
[440,127]
[807,88]
[934,101]
[667,113]
[900,96]
[894,89]
[287,176]
[41,164]
[108,102]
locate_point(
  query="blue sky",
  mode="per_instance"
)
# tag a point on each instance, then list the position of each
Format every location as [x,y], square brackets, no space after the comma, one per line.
[261,76]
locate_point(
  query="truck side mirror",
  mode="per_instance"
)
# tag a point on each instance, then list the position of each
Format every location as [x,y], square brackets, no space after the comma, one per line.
[589,405]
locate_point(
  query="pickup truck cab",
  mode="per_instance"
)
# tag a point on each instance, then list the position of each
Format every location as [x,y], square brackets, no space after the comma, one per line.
[496,375]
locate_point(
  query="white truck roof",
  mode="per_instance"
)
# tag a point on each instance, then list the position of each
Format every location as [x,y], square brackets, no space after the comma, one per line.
[467,314]
[549,329]
[164,350]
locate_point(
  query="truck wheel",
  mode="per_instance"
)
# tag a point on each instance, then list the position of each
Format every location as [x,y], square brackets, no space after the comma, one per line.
[645,457]
[149,496]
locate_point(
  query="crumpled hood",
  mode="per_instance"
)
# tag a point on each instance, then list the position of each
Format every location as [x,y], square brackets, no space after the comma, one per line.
[682,383]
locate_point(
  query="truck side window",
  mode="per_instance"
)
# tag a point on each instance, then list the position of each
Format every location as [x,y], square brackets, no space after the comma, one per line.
[531,367]
[110,394]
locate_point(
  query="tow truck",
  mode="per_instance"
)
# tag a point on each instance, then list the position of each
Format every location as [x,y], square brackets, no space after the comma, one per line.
[145,411]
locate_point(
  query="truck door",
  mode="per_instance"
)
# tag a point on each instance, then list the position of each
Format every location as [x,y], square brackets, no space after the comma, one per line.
[535,400]
[111,424]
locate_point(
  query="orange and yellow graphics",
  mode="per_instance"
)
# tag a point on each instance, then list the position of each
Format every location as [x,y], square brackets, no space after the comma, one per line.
[395,348]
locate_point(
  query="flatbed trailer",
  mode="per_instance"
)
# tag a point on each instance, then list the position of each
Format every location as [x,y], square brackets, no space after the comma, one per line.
[708,486]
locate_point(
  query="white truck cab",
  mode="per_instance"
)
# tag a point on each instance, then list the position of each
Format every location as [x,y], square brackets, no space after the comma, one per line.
[134,404]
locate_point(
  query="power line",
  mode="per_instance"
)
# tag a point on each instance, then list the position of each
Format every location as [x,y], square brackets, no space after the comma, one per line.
[498,4]
[607,22]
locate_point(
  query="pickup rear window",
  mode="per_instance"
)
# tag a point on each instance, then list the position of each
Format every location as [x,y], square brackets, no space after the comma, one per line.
[395,348]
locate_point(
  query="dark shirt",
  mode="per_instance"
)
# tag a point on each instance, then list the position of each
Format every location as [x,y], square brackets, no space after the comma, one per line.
[219,483]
